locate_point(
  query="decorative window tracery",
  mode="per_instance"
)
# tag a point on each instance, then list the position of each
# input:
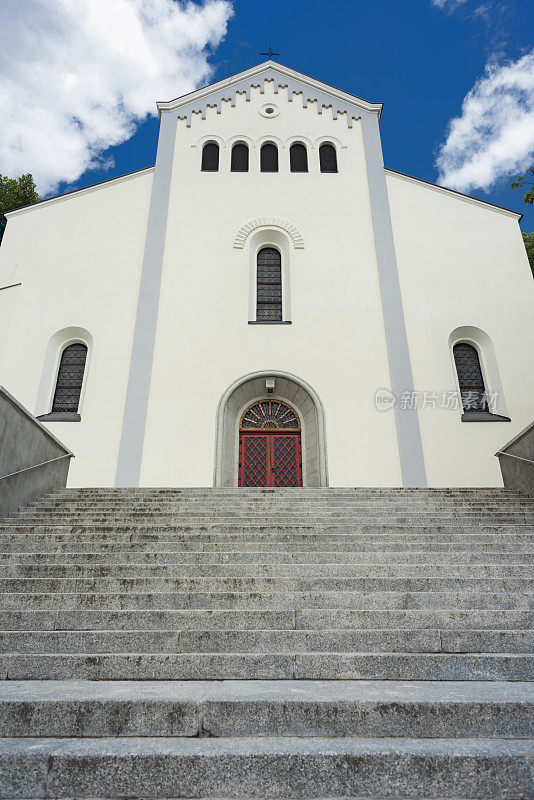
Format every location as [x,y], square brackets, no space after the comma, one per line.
[270,414]
[70,379]
[269,285]
[470,378]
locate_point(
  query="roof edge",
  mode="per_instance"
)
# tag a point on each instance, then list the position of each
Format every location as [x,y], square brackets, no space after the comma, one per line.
[469,198]
[204,91]
[83,190]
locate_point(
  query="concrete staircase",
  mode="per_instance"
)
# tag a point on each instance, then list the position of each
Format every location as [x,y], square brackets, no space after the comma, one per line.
[364,643]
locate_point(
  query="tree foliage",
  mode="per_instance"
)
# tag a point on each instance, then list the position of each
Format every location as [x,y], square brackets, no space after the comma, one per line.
[528,239]
[524,180]
[15,193]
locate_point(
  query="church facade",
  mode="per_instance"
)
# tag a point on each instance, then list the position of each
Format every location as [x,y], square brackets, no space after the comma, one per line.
[270,306]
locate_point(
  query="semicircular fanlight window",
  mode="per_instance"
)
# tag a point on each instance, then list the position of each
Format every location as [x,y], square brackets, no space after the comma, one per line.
[271,414]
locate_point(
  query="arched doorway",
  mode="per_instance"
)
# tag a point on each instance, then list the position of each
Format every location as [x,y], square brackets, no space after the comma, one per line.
[270,452]
[275,385]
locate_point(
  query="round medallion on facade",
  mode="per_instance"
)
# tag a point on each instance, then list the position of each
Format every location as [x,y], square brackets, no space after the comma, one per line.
[269,110]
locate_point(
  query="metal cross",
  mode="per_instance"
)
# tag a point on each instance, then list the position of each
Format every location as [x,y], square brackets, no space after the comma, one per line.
[269,54]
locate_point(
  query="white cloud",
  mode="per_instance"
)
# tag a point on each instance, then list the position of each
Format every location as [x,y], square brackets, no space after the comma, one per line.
[448,4]
[78,75]
[494,135]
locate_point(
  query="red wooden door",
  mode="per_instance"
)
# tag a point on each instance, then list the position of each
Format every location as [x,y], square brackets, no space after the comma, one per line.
[272,458]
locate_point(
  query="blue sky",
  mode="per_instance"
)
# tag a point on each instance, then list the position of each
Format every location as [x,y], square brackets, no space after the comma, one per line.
[418,58]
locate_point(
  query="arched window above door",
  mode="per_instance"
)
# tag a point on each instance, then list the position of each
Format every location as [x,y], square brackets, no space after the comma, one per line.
[270,414]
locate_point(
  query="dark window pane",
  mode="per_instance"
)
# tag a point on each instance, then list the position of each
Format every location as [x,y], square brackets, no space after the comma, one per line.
[239,158]
[210,157]
[328,158]
[269,285]
[70,378]
[269,414]
[269,157]
[470,377]
[298,157]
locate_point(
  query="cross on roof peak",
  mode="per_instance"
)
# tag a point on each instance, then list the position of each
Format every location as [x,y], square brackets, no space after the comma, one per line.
[269,54]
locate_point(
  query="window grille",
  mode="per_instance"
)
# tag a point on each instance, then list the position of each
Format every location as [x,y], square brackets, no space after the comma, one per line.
[298,157]
[328,158]
[269,157]
[269,285]
[470,379]
[239,158]
[210,157]
[271,414]
[70,378]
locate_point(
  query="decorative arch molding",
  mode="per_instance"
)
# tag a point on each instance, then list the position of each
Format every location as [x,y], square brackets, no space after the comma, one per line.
[56,345]
[289,389]
[483,344]
[268,222]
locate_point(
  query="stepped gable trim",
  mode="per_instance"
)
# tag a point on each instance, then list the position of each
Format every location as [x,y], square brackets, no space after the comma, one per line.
[84,190]
[268,222]
[469,198]
[297,83]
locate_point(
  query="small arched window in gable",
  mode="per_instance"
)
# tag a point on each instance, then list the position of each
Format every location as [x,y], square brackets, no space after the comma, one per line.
[298,157]
[210,157]
[239,157]
[269,157]
[269,285]
[470,378]
[70,379]
[328,157]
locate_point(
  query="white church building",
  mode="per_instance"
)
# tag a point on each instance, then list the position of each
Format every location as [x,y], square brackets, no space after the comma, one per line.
[270,306]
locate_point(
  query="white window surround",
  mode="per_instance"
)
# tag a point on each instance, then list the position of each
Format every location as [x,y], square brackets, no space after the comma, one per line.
[56,345]
[483,344]
[278,240]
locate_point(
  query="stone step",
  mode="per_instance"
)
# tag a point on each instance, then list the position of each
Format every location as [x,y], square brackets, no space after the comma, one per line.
[390,640]
[293,506]
[402,666]
[159,558]
[264,584]
[348,599]
[421,709]
[78,542]
[134,570]
[298,619]
[275,767]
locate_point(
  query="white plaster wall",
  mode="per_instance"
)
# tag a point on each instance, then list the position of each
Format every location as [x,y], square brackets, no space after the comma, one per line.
[336,342]
[79,260]
[463,264]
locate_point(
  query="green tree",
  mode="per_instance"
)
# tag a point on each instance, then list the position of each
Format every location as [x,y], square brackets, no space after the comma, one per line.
[528,239]
[15,193]
[524,182]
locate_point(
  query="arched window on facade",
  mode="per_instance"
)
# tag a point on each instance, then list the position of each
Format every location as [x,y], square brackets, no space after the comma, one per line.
[269,157]
[70,379]
[239,157]
[328,158]
[210,157]
[269,285]
[470,378]
[298,157]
